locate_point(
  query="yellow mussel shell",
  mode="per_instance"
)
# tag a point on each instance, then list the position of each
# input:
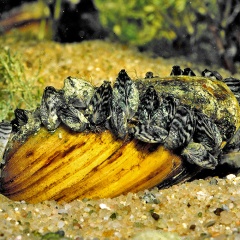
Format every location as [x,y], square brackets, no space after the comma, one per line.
[64,166]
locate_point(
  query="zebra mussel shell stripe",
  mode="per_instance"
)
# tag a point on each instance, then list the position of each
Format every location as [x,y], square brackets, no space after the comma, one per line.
[5,132]
[234,85]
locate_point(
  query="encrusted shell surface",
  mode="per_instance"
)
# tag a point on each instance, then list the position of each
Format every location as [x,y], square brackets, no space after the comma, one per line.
[65,165]
[210,96]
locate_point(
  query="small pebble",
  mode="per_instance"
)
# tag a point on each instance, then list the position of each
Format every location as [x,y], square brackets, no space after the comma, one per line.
[155,216]
[209,223]
[218,211]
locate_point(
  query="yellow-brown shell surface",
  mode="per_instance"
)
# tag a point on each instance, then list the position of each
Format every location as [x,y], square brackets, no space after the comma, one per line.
[65,165]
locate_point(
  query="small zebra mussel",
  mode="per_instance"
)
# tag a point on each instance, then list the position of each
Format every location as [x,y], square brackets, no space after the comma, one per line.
[85,141]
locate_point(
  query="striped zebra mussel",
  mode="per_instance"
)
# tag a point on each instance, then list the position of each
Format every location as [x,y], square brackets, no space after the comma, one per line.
[5,133]
[194,117]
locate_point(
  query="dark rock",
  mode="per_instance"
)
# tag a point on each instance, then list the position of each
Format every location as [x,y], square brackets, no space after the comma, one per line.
[77,22]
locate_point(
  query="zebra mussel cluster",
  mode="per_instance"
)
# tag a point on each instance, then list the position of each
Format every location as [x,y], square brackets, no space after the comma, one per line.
[128,110]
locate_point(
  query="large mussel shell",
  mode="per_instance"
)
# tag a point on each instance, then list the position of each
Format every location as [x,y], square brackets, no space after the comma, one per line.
[65,166]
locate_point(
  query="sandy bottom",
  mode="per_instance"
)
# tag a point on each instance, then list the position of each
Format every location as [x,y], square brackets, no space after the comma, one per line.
[202,209]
